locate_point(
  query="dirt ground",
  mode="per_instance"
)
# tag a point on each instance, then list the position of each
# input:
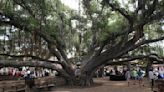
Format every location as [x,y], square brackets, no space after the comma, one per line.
[104,85]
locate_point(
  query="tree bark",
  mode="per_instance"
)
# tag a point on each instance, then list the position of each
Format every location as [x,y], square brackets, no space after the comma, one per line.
[148,67]
[129,65]
[15,63]
[86,79]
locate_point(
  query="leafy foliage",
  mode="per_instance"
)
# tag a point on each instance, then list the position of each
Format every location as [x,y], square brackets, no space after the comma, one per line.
[77,31]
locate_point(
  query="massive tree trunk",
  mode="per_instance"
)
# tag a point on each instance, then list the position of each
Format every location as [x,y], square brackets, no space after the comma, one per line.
[86,78]
[88,69]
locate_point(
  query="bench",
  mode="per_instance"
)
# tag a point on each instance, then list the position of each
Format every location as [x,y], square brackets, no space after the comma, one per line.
[46,82]
[7,77]
[12,86]
[19,85]
[159,85]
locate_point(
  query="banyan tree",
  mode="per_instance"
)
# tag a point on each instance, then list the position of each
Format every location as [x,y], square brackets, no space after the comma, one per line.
[47,33]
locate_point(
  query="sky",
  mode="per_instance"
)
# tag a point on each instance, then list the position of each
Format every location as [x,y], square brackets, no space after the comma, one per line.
[74,4]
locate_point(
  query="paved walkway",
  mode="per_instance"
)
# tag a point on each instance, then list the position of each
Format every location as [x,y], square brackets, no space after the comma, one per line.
[104,85]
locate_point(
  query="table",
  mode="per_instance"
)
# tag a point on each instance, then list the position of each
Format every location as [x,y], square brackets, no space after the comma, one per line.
[117,77]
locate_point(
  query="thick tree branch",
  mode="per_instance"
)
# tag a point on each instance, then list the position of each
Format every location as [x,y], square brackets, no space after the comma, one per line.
[157,16]
[140,42]
[152,40]
[54,51]
[59,46]
[51,43]
[122,11]
[15,63]
[18,24]
[154,57]
[151,8]
[30,56]
[98,52]
[141,5]
[115,53]
[43,64]
[26,7]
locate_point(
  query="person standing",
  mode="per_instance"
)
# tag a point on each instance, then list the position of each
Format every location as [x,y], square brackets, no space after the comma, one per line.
[151,78]
[160,73]
[127,76]
[134,76]
[29,81]
[140,76]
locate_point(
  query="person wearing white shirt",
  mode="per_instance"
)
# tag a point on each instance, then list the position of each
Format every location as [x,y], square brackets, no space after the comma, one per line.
[151,78]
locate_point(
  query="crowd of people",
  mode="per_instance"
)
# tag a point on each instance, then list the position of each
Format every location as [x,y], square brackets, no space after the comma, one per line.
[24,71]
[137,74]
[158,72]
[134,74]
[154,74]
